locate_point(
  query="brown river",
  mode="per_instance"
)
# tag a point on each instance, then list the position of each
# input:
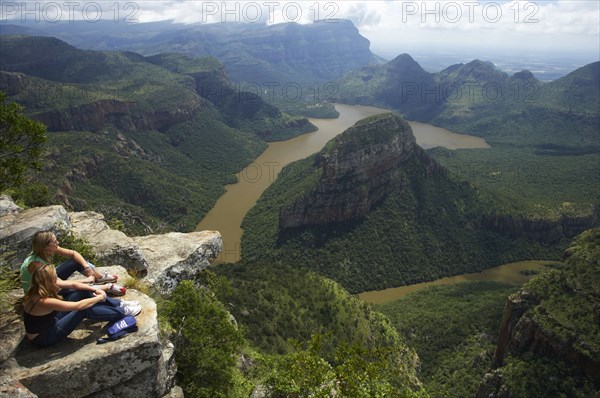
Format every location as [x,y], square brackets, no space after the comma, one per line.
[229,211]
[507,273]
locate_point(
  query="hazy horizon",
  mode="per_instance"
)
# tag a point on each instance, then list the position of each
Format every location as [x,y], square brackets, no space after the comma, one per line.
[549,38]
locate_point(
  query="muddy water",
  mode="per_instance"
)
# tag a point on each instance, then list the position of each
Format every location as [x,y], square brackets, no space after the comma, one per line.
[229,211]
[508,273]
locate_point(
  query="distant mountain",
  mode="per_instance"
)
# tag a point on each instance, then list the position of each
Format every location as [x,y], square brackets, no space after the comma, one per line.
[541,134]
[373,210]
[252,53]
[142,139]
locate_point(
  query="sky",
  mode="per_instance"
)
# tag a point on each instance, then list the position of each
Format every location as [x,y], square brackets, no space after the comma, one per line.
[561,28]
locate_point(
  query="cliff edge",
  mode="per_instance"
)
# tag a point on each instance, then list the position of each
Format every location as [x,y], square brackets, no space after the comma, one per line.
[551,328]
[139,365]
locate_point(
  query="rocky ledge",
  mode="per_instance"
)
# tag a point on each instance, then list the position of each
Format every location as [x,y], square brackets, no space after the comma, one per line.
[139,365]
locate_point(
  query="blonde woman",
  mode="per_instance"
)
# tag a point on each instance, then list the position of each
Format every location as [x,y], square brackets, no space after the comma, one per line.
[49,318]
[45,245]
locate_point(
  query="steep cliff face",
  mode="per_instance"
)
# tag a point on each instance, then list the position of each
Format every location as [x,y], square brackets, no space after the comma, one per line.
[97,115]
[539,229]
[554,318]
[356,170]
[326,50]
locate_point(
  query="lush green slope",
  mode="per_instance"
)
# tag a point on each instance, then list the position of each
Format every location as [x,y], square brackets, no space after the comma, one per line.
[427,226]
[276,303]
[307,334]
[454,329]
[138,138]
[545,135]
[550,329]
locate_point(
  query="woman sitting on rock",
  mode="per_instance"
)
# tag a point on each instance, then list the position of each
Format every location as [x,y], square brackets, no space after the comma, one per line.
[49,318]
[45,245]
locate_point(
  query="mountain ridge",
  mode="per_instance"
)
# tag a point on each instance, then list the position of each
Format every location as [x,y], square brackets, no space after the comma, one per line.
[143,126]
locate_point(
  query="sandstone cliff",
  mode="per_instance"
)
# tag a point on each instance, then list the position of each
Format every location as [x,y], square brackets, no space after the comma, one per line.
[547,230]
[139,365]
[555,318]
[355,172]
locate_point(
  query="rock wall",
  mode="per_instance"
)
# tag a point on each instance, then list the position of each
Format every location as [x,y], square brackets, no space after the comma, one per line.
[354,178]
[553,317]
[95,116]
[540,229]
[135,366]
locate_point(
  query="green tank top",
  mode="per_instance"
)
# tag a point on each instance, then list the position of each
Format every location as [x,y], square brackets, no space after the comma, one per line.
[25,275]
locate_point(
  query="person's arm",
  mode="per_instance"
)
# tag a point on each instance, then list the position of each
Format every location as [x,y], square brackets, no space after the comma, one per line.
[55,304]
[77,285]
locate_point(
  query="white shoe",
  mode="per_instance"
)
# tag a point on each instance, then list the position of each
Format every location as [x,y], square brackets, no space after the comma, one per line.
[125,303]
[132,309]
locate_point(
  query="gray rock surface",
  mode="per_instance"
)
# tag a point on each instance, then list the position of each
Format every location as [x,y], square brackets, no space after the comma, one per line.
[175,256]
[8,206]
[78,367]
[16,231]
[111,246]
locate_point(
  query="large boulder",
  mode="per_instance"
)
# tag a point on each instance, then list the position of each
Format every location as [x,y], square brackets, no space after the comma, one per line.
[8,206]
[17,229]
[111,246]
[138,365]
[175,256]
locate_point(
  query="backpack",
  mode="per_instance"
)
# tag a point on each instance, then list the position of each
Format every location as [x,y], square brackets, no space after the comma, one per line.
[119,329]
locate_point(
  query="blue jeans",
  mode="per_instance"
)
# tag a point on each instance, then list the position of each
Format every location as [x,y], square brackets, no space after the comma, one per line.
[68,268]
[66,321]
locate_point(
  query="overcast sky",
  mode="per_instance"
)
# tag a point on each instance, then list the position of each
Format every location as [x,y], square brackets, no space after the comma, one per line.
[568,27]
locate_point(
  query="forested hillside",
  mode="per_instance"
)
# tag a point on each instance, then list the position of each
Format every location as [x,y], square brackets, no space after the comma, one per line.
[373,210]
[147,141]
[545,152]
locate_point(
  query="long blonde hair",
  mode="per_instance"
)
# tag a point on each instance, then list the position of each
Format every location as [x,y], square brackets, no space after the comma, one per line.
[40,242]
[43,282]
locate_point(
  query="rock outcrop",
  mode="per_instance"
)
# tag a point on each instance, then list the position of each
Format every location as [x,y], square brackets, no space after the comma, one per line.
[17,229]
[139,365]
[97,115]
[164,260]
[175,256]
[554,317]
[356,170]
[111,246]
[540,229]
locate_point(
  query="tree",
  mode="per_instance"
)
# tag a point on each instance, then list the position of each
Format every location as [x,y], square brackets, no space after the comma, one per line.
[21,143]
[207,342]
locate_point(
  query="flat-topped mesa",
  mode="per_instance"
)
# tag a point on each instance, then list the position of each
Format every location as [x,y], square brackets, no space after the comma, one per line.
[356,170]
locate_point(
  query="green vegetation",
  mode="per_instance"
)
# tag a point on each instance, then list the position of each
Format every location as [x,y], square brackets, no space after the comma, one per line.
[427,227]
[70,240]
[568,298]
[308,335]
[545,157]
[9,280]
[360,373]
[561,308]
[528,184]
[276,303]
[207,343]
[541,377]
[155,148]
[454,331]
[21,144]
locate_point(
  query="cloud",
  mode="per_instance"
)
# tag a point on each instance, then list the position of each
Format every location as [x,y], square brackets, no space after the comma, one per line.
[518,23]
